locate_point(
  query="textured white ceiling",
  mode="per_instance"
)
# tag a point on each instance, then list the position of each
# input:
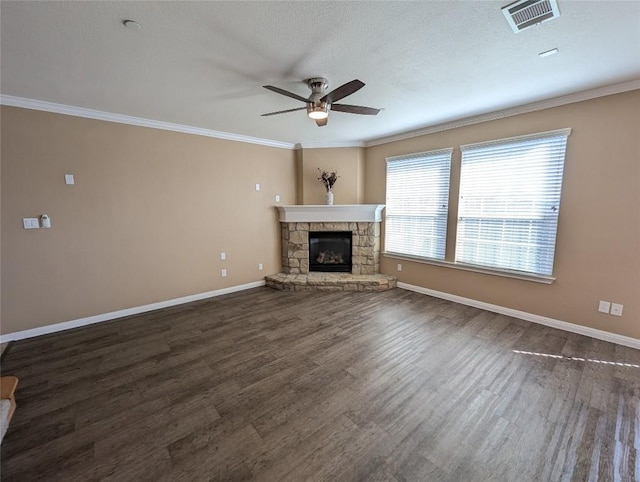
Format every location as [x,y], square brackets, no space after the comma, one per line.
[203,64]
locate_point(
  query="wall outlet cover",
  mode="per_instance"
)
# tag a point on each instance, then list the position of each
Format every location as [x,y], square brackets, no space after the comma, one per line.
[616,309]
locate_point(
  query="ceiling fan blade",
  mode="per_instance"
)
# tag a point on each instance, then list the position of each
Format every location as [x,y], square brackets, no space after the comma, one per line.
[355,109]
[343,91]
[283,111]
[322,122]
[278,90]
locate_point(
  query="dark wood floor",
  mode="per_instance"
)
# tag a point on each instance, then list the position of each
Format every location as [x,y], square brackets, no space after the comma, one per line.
[272,385]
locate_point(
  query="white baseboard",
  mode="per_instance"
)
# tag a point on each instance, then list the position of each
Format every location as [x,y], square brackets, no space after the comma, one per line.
[523,315]
[67,325]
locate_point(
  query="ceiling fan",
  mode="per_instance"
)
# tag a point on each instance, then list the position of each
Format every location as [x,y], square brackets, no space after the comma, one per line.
[319,104]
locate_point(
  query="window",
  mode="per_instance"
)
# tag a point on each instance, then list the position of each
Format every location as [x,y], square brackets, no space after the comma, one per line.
[417,204]
[509,202]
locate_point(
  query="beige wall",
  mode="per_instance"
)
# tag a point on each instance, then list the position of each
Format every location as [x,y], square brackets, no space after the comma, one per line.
[151,211]
[598,242]
[348,162]
[146,221]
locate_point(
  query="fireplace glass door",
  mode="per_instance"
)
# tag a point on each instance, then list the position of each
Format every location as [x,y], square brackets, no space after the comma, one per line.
[330,251]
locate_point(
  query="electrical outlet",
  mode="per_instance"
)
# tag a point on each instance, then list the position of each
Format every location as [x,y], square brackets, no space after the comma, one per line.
[603,306]
[260,266]
[68,179]
[224,272]
[399,267]
[277,198]
[223,256]
[257,186]
[616,309]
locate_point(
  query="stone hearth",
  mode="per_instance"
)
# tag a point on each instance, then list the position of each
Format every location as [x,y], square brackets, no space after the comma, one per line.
[362,220]
[331,282]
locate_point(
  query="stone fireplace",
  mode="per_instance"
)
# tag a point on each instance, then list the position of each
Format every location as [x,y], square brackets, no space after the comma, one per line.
[365,245]
[302,225]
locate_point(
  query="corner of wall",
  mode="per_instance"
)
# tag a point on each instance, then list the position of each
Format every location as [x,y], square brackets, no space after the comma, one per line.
[299,176]
[361,176]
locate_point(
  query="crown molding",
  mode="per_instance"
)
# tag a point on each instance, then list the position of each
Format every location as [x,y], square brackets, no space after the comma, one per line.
[500,114]
[33,104]
[329,145]
[25,103]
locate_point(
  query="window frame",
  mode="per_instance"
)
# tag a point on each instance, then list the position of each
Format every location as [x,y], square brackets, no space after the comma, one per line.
[440,217]
[537,220]
[452,228]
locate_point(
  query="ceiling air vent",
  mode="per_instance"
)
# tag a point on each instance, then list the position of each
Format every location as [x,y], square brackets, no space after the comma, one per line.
[526,13]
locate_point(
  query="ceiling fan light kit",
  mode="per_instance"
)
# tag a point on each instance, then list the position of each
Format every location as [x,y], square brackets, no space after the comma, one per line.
[318,112]
[319,104]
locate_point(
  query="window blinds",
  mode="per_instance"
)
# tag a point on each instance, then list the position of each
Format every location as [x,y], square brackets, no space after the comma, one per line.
[509,202]
[417,204]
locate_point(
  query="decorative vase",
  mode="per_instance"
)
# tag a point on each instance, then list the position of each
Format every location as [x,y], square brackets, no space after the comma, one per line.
[328,198]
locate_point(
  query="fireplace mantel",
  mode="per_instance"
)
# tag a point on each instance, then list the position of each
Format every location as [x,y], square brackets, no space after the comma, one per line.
[318,213]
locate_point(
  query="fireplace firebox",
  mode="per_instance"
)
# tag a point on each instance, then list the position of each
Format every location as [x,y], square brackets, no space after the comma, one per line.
[330,251]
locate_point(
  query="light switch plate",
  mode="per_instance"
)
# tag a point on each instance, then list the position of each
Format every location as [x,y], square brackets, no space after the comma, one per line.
[223,256]
[257,187]
[277,198]
[260,266]
[30,223]
[603,306]
[68,179]
[224,273]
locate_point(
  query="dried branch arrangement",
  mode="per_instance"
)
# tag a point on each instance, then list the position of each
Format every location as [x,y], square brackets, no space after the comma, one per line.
[328,179]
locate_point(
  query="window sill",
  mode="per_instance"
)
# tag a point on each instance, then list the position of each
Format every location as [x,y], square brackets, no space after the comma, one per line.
[476,269]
